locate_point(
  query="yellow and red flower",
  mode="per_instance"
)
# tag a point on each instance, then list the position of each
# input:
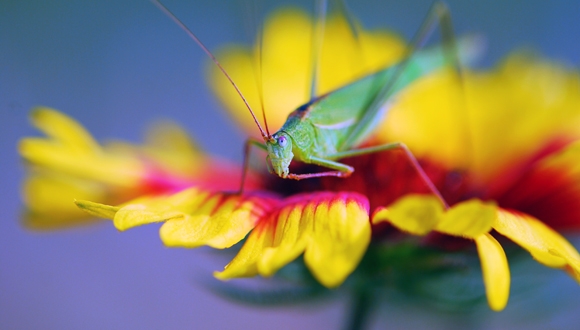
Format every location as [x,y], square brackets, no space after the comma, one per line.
[70,164]
[501,147]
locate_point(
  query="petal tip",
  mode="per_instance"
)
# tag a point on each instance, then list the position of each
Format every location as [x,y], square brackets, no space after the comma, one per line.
[97,209]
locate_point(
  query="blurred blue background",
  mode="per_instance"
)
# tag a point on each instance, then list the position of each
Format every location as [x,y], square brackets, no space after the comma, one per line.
[116,66]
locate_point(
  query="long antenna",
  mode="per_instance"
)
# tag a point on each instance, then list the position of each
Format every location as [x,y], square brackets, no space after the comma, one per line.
[194,37]
[258,25]
[259,76]
[317,40]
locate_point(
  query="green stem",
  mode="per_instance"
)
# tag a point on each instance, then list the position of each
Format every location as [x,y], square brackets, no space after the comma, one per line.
[360,309]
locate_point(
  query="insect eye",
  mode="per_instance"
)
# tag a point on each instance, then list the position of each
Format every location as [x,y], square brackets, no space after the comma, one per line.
[282,141]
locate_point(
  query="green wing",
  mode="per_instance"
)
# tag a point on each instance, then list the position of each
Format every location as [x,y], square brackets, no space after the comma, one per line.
[349,114]
[420,64]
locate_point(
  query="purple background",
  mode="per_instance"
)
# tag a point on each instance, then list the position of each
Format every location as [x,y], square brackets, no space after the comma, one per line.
[116,66]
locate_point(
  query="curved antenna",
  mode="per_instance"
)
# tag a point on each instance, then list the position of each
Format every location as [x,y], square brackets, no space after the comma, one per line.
[194,37]
[252,26]
[259,76]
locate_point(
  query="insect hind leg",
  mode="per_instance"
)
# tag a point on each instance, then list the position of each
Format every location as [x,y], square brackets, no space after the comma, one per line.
[438,16]
[410,157]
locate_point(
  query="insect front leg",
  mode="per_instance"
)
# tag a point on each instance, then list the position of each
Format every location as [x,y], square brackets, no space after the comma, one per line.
[412,159]
[340,170]
[247,148]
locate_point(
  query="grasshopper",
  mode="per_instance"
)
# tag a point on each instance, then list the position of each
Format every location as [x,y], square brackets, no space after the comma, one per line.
[330,127]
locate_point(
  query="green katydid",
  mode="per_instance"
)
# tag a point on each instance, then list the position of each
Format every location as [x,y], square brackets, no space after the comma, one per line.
[329,127]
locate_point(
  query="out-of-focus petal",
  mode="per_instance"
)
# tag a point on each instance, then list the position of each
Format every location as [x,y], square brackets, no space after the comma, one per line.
[287,68]
[70,149]
[69,164]
[548,189]
[64,129]
[541,97]
[332,229]
[49,200]
[544,244]
[496,273]
[169,146]
[433,99]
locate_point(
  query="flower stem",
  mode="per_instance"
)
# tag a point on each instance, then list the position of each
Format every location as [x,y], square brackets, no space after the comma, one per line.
[360,309]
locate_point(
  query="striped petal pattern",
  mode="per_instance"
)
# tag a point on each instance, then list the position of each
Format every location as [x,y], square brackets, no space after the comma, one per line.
[332,229]
[193,217]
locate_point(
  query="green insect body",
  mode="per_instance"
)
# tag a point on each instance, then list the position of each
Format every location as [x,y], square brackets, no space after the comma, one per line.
[331,126]
[328,127]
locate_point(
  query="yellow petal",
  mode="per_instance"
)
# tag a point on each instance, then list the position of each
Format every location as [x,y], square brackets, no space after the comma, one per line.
[147,209]
[293,232]
[468,219]
[415,214]
[49,201]
[111,169]
[559,246]
[97,209]
[332,229]
[245,263]
[276,241]
[70,150]
[53,194]
[496,273]
[410,122]
[51,221]
[192,217]
[546,245]
[219,221]
[287,64]
[541,97]
[63,129]
[340,238]
[566,161]
[170,147]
